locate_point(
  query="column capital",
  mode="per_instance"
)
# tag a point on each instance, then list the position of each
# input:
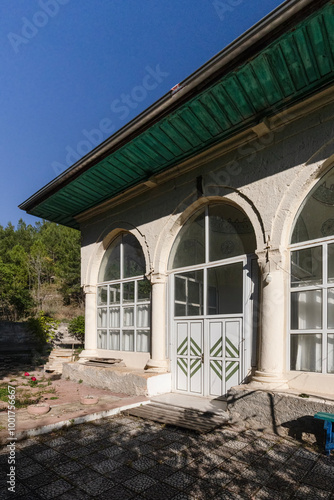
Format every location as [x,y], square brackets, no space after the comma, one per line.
[158,278]
[270,258]
[89,289]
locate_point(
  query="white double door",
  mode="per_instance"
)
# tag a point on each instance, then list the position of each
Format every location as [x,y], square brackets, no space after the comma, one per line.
[208,355]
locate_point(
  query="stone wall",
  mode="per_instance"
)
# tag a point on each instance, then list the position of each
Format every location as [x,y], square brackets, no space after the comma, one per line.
[282,413]
[16,342]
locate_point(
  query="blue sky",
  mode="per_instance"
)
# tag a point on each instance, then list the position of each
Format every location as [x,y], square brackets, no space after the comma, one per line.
[75,71]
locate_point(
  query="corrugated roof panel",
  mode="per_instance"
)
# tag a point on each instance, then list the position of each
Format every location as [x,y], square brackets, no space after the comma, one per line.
[120,166]
[131,153]
[328,19]
[218,122]
[252,88]
[319,40]
[202,117]
[267,80]
[181,126]
[191,116]
[307,56]
[93,182]
[160,135]
[236,94]
[155,154]
[159,146]
[167,126]
[109,173]
[280,70]
[293,61]
[232,112]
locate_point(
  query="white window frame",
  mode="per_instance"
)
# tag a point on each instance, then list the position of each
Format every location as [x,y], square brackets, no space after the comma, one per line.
[122,305]
[324,331]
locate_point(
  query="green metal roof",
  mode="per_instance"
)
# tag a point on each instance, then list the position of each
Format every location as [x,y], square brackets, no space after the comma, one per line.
[296,65]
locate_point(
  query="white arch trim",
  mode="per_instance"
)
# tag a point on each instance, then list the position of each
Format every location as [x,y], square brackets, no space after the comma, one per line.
[103,242]
[291,202]
[177,220]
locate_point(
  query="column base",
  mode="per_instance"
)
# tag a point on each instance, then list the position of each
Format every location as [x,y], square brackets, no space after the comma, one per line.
[157,366]
[268,381]
[86,354]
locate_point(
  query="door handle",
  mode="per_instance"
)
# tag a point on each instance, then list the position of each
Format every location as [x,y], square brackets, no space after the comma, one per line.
[202,357]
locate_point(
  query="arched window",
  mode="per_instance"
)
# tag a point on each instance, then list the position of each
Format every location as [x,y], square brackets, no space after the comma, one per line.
[214,233]
[312,281]
[123,298]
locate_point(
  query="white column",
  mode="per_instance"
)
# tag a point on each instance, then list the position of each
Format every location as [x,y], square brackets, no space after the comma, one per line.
[90,323]
[158,362]
[272,354]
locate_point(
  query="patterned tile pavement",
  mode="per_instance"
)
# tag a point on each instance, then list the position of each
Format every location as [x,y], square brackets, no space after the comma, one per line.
[127,458]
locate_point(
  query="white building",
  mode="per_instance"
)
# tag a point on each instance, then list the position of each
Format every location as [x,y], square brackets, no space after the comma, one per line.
[208,221]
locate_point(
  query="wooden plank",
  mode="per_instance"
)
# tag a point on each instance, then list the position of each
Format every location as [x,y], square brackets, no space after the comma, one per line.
[181,417]
[184,424]
[221,415]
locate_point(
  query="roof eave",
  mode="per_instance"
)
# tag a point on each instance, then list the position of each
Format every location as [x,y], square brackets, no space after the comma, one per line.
[239,51]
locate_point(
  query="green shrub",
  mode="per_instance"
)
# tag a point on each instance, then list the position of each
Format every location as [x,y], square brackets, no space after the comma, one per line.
[43,327]
[76,327]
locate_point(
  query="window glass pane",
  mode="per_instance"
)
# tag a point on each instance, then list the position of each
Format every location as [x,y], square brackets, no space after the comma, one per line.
[134,260]
[114,317]
[180,310]
[230,233]
[189,293]
[102,339]
[188,248]
[143,316]
[114,340]
[128,316]
[102,317]
[110,265]
[330,308]
[114,294]
[225,289]
[181,288]
[330,358]
[102,295]
[129,291]
[306,353]
[306,310]
[143,341]
[331,263]
[316,216]
[128,340]
[143,290]
[306,267]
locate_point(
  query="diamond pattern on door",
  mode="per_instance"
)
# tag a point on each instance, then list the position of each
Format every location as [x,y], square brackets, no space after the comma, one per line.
[224,357]
[189,376]
[218,360]
[232,375]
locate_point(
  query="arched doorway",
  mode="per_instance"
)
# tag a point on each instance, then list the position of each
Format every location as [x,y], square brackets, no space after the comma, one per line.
[211,294]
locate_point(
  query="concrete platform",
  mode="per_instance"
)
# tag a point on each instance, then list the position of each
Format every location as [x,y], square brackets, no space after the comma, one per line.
[119,379]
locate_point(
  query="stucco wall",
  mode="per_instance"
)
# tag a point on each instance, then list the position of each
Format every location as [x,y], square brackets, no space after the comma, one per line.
[267,176]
